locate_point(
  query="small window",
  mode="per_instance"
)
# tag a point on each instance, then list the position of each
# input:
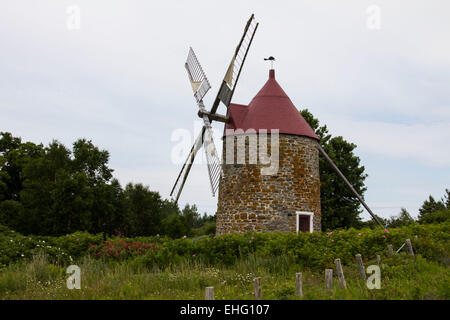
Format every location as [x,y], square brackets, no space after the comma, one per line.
[304,221]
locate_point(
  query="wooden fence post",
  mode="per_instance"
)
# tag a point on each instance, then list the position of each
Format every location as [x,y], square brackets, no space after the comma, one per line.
[378,259]
[409,246]
[340,273]
[209,293]
[299,284]
[257,288]
[362,271]
[328,278]
[390,250]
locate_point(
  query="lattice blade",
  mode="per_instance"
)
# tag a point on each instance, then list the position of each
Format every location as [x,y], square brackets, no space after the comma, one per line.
[212,158]
[199,82]
[182,176]
[237,62]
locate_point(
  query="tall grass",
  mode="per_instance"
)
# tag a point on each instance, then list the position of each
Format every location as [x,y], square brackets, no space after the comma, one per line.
[403,277]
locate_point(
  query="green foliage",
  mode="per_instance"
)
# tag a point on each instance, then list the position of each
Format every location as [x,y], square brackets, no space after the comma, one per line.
[54,191]
[433,211]
[312,250]
[439,216]
[373,224]
[430,206]
[17,247]
[121,249]
[162,268]
[144,210]
[208,228]
[402,277]
[175,226]
[403,219]
[315,251]
[340,207]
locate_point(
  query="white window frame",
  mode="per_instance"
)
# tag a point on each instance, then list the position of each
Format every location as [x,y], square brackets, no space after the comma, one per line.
[311,219]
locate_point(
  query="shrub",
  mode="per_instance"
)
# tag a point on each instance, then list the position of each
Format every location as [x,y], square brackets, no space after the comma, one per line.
[439,216]
[120,249]
[312,250]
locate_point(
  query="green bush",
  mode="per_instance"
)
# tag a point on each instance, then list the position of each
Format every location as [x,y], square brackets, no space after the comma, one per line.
[16,247]
[312,250]
[439,216]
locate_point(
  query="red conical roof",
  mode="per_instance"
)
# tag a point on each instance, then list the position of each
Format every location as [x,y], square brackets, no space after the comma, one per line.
[270,109]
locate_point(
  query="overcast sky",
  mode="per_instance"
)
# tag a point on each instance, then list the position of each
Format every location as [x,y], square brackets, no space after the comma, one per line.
[119,80]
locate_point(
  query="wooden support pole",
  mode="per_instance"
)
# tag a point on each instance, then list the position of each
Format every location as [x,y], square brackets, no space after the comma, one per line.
[299,284]
[390,250]
[328,278]
[362,271]
[340,273]
[409,247]
[209,293]
[213,116]
[257,288]
[349,185]
[378,259]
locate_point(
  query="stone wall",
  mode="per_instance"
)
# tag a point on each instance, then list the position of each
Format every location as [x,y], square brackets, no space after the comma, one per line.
[249,201]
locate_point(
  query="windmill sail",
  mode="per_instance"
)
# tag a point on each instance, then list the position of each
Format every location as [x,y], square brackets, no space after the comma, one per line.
[213,160]
[182,176]
[199,82]
[200,86]
[237,62]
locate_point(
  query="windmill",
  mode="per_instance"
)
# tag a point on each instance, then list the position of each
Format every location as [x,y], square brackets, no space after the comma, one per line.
[200,86]
[271,108]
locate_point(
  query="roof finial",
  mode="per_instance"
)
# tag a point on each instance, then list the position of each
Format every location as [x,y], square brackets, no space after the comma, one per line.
[271,59]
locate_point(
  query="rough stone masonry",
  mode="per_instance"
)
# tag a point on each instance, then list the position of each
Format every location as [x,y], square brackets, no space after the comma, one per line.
[249,201]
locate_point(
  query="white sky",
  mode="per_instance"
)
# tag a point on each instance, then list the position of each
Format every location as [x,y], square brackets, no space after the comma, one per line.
[119,80]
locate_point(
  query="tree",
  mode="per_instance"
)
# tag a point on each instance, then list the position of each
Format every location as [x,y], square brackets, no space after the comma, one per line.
[403,219]
[447,198]
[433,211]
[191,216]
[59,190]
[56,198]
[144,213]
[175,226]
[430,206]
[14,157]
[54,191]
[340,207]
[439,216]
[372,223]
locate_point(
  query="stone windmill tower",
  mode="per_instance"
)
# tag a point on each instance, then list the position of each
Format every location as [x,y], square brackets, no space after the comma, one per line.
[283,195]
[258,192]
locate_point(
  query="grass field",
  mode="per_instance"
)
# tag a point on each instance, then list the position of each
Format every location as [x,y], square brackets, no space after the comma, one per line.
[34,267]
[402,277]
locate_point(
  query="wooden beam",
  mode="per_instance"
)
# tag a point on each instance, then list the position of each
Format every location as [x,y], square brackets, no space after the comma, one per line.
[299,285]
[213,116]
[362,271]
[409,247]
[257,288]
[348,184]
[209,293]
[328,278]
[340,273]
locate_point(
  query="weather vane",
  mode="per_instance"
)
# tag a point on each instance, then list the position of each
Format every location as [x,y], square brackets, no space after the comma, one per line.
[271,59]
